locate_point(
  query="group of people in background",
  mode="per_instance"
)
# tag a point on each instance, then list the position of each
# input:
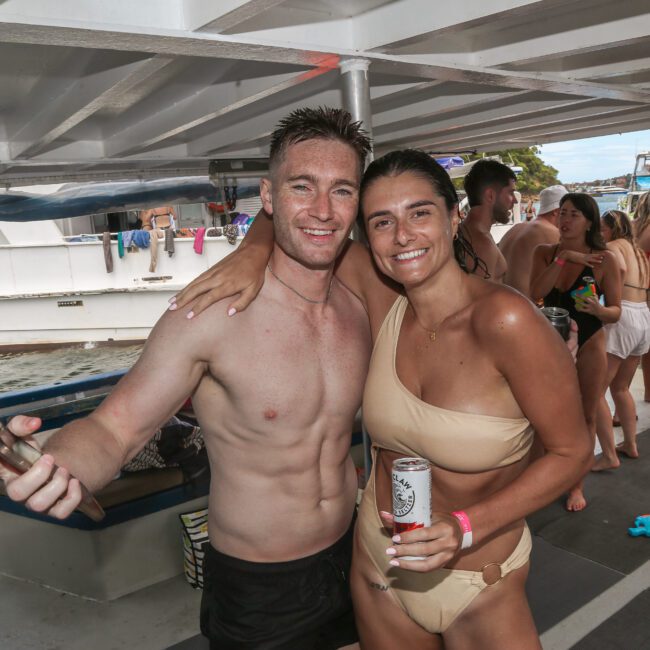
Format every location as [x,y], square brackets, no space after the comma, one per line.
[548,260]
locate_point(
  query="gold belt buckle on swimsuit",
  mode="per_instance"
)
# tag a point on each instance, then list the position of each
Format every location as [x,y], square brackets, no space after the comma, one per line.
[489,574]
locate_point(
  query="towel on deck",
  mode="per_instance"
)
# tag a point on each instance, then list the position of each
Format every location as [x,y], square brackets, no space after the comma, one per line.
[156,235]
[231,231]
[169,241]
[108,255]
[127,238]
[198,240]
[141,238]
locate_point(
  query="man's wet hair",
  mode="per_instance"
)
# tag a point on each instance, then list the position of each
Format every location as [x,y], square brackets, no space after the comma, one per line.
[312,123]
[486,173]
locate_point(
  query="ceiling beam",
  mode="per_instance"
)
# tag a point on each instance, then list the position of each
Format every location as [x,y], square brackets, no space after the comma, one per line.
[603,71]
[209,105]
[263,121]
[181,43]
[577,118]
[80,100]
[491,119]
[395,25]
[571,129]
[594,36]
[426,111]
[220,16]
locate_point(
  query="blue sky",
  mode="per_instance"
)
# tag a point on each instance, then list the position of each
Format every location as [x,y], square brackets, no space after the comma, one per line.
[601,157]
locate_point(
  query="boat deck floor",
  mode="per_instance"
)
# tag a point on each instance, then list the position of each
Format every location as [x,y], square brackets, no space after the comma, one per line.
[589,584]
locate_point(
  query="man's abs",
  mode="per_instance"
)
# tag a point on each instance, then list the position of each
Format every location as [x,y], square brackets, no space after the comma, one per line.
[277,409]
[282,513]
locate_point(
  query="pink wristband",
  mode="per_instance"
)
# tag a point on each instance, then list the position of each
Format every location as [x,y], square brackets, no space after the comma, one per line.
[560,261]
[466,527]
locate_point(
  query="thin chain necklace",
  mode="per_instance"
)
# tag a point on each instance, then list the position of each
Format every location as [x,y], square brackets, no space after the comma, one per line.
[432,332]
[309,300]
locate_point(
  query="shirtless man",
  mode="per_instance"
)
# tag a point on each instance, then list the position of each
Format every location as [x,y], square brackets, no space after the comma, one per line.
[519,243]
[162,217]
[490,188]
[275,392]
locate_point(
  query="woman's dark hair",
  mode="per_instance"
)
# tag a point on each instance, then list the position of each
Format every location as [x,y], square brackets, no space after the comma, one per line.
[422,164]
[589,208]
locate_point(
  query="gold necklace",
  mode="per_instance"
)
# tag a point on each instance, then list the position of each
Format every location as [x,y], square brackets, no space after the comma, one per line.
[309,300]
[432,332]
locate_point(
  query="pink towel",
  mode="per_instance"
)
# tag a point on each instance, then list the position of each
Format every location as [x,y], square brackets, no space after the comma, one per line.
[198,240]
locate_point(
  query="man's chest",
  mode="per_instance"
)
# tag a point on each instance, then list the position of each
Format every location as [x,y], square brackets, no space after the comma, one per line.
[289,368]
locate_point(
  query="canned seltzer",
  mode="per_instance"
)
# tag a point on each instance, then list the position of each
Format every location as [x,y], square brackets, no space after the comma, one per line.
[411,496]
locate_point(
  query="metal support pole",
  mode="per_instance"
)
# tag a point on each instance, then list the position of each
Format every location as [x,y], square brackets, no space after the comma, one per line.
[356,100]
[356,93]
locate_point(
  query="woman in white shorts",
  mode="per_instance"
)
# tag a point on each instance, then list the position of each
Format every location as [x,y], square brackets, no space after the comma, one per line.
[627,340]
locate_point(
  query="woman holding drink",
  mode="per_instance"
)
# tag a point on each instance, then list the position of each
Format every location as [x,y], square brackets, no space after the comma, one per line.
[573,275]
[462,371]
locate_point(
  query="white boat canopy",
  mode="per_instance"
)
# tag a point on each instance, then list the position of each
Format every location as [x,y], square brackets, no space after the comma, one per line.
[96,90]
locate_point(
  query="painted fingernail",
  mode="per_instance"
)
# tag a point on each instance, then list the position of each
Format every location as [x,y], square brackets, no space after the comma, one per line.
[397,539]
[394,563]
[172,299]
[33,422]
[172,307]
[383,513]
[190,314]
[232,311]
[391,551]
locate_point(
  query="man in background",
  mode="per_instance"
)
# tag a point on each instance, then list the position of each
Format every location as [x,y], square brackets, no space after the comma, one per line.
[519,243]
[490,188]
[163,217]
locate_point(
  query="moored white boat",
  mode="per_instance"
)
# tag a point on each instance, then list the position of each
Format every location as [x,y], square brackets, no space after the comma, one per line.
[61,293]
[639,184]
[56,290]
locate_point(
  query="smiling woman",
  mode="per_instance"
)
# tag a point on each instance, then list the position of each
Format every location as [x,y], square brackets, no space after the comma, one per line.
[456,363]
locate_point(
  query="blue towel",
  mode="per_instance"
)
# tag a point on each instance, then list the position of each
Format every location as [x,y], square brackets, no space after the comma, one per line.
[127,238]
[141,238]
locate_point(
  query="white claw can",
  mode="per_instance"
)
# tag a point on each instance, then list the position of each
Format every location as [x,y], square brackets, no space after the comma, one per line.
[411,496]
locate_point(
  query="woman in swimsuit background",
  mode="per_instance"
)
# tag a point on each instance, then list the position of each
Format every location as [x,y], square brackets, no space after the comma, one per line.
[462,370]
[642,235]
[557,272]
[627,339]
